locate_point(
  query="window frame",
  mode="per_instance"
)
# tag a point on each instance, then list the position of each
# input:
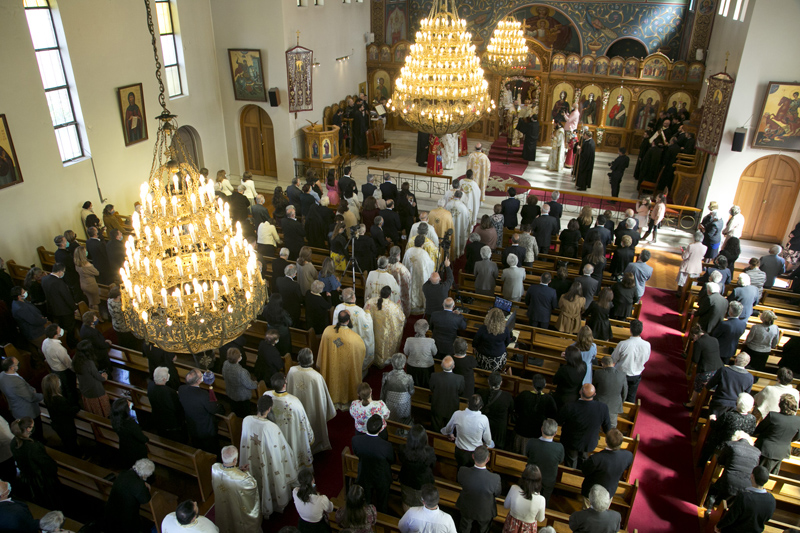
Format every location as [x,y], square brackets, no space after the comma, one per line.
[74,123]
[177,65]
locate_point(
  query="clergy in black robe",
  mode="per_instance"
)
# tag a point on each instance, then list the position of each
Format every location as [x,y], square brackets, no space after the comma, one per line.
[529,127]
[585,163]
[668,172]
[618,167]
[643,148]
[318,223]
[423,140]
[651,164]
[360,126]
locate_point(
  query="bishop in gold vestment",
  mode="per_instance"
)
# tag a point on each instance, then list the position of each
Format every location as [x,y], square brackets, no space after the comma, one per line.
[442,220]
[479,164]
[236,501]
[341,356]
[388,320]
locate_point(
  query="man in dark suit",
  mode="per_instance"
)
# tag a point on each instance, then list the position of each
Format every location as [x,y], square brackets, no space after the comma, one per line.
[728,383]
[366,251]
[388,189]
[98,256]
[436,289]
[100,345]
[128,493]
[391,221]
[544,227]
[589,285]
[375,460]
[445,325]
[627,226]
[379,237]
[547,454]
[15,516]
[240,208]
[279,264]
[598,518]
[541,301]
[479,488]
[200,411]
[611,387]
[290,291]
[318,308]
[473,252]
[605,468]
[168,414]
[66,257]
[745,294]
[728,332]
[711,226]
[60,304]
[776,433]
[347,186]
[293,193]
[369,188]
[598,233]
[581,422]
[510,207]
[294,234]
[751,508]
[115,250]
[446,388]
[556,209]
[515,249]
[712,309]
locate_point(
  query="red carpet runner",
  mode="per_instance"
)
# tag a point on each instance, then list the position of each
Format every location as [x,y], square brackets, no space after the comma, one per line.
[663,463]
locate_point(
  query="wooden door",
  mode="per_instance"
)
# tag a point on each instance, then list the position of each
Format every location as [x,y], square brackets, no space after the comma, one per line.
[258,142]
[767,193]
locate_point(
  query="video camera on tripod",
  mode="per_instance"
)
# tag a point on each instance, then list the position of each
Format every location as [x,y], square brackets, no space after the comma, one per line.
[444,244]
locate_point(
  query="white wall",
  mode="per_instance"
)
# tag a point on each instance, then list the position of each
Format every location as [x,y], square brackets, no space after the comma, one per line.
[332,30]
[109,46]
[753,63]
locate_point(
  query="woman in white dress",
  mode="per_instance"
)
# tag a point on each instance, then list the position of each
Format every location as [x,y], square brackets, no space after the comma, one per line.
[557,153]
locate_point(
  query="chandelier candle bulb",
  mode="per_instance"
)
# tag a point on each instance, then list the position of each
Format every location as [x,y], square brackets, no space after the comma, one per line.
[163,206]
[239,277]
[164,297]
[175,202]
[227,255]
[179,264]
[213,257]
[158,234]
[194,263]
[149,292]
[175,183]
[216,291]
[225,284]
[160,270]
[193,199]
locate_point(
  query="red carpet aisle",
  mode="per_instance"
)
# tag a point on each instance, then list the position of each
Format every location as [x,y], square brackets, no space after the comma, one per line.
[663,464]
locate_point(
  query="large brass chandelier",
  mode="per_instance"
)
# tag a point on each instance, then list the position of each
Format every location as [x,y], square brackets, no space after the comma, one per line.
[507,52]
[190,282]
[441,88]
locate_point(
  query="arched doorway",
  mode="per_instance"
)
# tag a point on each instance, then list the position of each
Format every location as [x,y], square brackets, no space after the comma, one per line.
[191,141]
[767,192]
[258,142]
[627,47]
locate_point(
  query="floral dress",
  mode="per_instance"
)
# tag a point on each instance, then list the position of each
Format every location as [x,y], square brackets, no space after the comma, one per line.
[361,413]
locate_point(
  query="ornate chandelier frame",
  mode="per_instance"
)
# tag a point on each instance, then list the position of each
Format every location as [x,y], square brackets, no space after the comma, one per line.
[441,88]
[507,51]
[191,282]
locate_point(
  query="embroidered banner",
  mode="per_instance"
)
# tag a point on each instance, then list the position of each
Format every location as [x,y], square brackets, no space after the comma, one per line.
[299,63]
[715,110]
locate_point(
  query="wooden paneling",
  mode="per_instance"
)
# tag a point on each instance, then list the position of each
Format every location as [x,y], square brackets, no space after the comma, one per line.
[766,194]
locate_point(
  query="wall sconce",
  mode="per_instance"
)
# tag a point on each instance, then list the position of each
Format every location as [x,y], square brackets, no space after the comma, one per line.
[315,64]
[342,59]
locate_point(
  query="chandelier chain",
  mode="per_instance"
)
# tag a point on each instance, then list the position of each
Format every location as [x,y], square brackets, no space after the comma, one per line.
[161,98]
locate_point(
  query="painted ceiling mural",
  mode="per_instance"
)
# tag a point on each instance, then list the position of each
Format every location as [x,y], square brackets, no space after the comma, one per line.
[579,27]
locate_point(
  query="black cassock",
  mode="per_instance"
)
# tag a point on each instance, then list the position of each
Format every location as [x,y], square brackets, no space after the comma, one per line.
[423,145]
[531,132]
[360,122]
[651,164]
[668,173]
[585,165]
[643,148]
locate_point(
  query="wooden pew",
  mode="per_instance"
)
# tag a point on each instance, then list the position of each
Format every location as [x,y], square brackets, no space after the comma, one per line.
[46,258]
[173,455]
[97,481]
[39,512]
[17,272]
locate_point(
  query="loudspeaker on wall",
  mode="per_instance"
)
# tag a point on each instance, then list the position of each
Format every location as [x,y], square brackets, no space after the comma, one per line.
[738,139]
[274,97]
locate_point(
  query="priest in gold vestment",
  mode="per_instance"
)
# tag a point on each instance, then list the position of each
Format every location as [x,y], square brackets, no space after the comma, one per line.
[267,455]
[387,320]
[442,220]
[236,502]
[309,387]
[479,164]
[341,356]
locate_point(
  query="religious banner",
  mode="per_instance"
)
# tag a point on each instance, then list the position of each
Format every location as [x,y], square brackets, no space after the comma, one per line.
[715,110]
[299,62]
